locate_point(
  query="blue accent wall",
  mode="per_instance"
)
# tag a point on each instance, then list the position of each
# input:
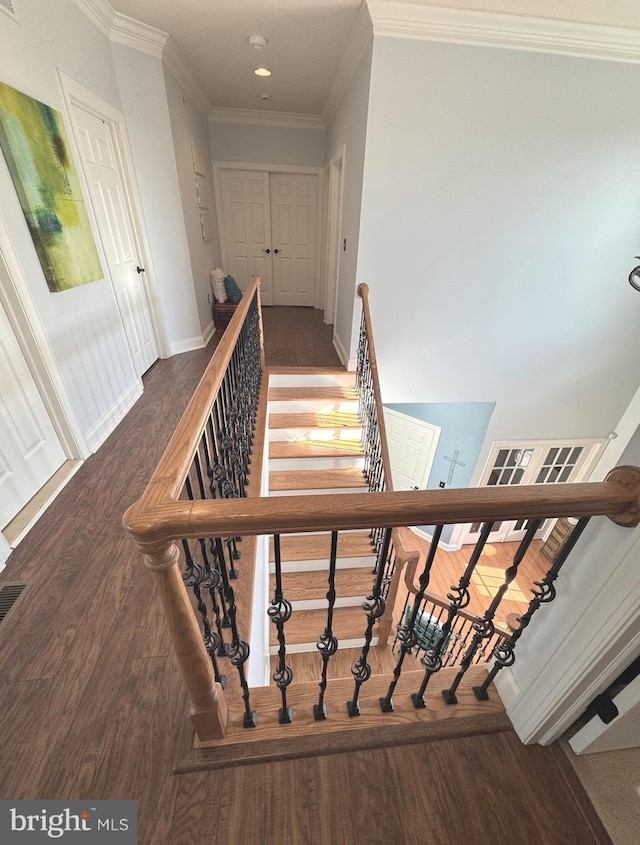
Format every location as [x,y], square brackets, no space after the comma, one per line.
[463,427]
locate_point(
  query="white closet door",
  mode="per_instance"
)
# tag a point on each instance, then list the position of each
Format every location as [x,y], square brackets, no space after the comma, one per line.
[247,228]
[30,451]
[106,184]
[294,233]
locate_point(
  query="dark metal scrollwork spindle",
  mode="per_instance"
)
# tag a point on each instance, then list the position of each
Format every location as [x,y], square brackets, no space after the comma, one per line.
[238,651]
[374,605]
[543,593]
[328,643]
[279,611]
[483,627]
[406,630]
[459,599]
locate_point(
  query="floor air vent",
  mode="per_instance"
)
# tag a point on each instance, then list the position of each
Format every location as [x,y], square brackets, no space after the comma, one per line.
[9,596]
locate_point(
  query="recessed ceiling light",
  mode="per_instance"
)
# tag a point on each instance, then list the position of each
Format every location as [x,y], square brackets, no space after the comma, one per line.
[262,71]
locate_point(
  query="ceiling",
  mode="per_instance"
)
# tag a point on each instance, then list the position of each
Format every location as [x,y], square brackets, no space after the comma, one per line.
[305,40]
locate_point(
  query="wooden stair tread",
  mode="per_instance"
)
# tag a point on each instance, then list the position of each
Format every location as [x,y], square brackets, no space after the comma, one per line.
[316,479]
[341,733]
[303,371]
[330,419]
[334,394]
[305,586]
[318,546]
[315,448]
[305,626]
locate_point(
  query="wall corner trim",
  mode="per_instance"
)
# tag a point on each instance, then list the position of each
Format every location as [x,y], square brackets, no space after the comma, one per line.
[495,29]
[360,37]
[208,333]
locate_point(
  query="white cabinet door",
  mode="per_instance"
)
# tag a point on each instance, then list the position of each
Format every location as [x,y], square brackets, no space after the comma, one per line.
[247,228]
[294,200]
[412,448]
[106,185]
[30,451]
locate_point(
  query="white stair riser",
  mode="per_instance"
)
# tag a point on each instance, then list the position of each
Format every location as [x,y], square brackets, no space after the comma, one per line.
[331,491]
[347,462]
[366,562]
[337,379]
[313,406]
[300,648]
[304,434]
[319,604]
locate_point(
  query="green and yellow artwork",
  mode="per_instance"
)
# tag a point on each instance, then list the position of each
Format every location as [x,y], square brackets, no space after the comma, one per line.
[34,143]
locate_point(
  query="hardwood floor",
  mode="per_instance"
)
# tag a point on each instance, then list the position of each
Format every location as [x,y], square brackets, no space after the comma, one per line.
[92,704]
[297,337]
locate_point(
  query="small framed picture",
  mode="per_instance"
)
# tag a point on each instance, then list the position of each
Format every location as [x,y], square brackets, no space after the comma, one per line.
[198,159]
[206,226]
[202,192]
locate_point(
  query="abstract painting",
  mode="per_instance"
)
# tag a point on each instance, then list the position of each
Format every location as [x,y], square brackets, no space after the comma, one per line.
[34,143]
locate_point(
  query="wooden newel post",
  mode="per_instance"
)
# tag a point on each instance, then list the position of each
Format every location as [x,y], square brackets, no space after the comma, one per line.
[209,707]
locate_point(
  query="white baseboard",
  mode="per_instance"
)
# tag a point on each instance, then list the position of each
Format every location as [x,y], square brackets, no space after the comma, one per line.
[446,547]
[100,430]
[351,365]
[208,333]
[507,686]
[339,347]
[190,344]
[5,551]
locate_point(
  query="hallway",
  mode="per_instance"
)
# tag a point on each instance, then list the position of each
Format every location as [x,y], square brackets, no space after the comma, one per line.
[92,705]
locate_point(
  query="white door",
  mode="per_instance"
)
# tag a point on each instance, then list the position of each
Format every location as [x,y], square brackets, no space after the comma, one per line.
[101,166]
[412,448]
[294,199]
[535,463]
[30,451]
[247,228]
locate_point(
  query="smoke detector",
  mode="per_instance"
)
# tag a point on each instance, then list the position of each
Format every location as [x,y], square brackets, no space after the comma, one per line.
[257,42]
[265,95]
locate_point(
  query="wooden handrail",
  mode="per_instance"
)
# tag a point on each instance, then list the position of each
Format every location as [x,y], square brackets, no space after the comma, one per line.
[155,520]
[167,480]
[363,293]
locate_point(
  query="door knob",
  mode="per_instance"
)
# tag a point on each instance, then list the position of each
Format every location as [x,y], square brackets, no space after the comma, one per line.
[139,269]
[277,251]
[268,251]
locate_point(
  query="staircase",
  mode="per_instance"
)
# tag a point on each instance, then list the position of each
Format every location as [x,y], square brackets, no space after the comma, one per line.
[314,447]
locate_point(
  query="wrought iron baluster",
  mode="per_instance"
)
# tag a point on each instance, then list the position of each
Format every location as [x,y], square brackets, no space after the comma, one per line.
[238,651]
[483,627]
[374,605]
[459,598]
[328,643]
[279,611]
[543,593]
[216,592]
[195,576]
[406,630]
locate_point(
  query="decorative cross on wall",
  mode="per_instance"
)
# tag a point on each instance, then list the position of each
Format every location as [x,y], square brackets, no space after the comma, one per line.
[454,463]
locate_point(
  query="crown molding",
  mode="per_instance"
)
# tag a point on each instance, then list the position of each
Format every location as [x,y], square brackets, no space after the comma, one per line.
[360,38]
[174,61]
[290,120]
[515,32]
[140,36]
[99,12]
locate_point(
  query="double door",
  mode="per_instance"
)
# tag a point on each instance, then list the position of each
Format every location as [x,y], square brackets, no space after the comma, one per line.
[269,227]
[533,463]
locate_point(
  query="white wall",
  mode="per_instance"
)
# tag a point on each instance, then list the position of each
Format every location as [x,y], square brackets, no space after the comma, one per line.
[144,103]
[83,324]
[348,128]
[187,124]
[267,144]
[499,223]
